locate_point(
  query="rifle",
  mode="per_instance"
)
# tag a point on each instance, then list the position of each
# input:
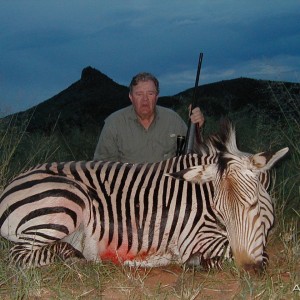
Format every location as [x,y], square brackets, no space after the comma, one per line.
[186,146]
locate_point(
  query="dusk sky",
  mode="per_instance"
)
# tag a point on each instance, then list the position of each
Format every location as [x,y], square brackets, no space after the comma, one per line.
[44,45]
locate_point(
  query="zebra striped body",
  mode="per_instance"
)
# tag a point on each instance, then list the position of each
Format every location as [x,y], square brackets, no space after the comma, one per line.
[143,214]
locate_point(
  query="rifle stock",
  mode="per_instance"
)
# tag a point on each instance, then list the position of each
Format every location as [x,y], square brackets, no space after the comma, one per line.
[190,138]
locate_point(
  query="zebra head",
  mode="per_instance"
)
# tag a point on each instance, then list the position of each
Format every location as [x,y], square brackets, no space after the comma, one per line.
[241,201]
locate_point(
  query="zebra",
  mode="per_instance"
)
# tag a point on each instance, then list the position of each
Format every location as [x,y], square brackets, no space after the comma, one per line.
[198,209]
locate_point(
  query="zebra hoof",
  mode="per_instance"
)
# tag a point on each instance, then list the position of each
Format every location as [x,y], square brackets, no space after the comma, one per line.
[198,261]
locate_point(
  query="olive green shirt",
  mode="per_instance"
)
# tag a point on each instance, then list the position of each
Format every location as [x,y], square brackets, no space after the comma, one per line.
[124,139]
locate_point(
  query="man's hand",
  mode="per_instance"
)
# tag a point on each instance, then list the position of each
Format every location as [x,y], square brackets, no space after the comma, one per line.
[197,117]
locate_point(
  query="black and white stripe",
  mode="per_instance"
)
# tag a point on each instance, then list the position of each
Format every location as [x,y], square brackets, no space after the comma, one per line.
[141,214]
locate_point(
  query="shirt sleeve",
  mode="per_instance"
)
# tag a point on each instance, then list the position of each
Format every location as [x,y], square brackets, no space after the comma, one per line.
[107,148]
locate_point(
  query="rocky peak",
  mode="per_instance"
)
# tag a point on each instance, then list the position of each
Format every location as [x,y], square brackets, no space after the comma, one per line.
[91,76]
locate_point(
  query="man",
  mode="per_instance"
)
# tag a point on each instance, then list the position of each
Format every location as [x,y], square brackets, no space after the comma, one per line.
[143,131]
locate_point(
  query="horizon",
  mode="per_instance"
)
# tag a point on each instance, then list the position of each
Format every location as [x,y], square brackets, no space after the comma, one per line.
[171,95]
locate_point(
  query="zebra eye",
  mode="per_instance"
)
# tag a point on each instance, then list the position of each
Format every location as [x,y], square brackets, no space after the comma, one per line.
[253,205]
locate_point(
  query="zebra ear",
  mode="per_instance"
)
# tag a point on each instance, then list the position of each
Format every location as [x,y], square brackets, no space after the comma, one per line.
[265,160]
[198,174]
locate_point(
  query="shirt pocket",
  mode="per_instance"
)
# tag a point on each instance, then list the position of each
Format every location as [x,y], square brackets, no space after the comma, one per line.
[168,144]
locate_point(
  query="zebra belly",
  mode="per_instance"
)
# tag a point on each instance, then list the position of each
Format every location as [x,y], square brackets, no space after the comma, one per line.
[93,250]
[153,261]
[144,258]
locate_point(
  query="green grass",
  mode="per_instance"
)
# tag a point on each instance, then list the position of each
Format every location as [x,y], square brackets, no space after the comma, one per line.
[107,281]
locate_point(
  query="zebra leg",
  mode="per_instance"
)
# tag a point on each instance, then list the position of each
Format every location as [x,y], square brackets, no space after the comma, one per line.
[197,260]
[32,256]
[209,249]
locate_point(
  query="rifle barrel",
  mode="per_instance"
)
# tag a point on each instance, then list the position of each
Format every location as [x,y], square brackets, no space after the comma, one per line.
[191,127]
[197,80]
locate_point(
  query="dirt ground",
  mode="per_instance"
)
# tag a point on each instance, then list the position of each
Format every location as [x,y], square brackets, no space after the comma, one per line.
[174,282]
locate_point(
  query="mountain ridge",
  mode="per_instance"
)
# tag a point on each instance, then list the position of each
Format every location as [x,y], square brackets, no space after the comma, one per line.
[88,101]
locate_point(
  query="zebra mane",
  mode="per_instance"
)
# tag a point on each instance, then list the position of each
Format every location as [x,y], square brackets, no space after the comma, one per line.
[223,141]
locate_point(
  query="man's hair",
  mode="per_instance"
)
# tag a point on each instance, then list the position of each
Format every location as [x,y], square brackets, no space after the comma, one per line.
[144,76]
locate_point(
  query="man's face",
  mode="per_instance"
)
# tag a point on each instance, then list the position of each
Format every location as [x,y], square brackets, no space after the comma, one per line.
[144,97]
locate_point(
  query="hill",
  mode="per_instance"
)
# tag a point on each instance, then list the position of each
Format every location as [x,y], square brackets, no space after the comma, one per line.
[221,98]
[87,102]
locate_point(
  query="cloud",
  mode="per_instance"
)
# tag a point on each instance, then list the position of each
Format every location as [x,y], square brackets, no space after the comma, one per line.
[278,68]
